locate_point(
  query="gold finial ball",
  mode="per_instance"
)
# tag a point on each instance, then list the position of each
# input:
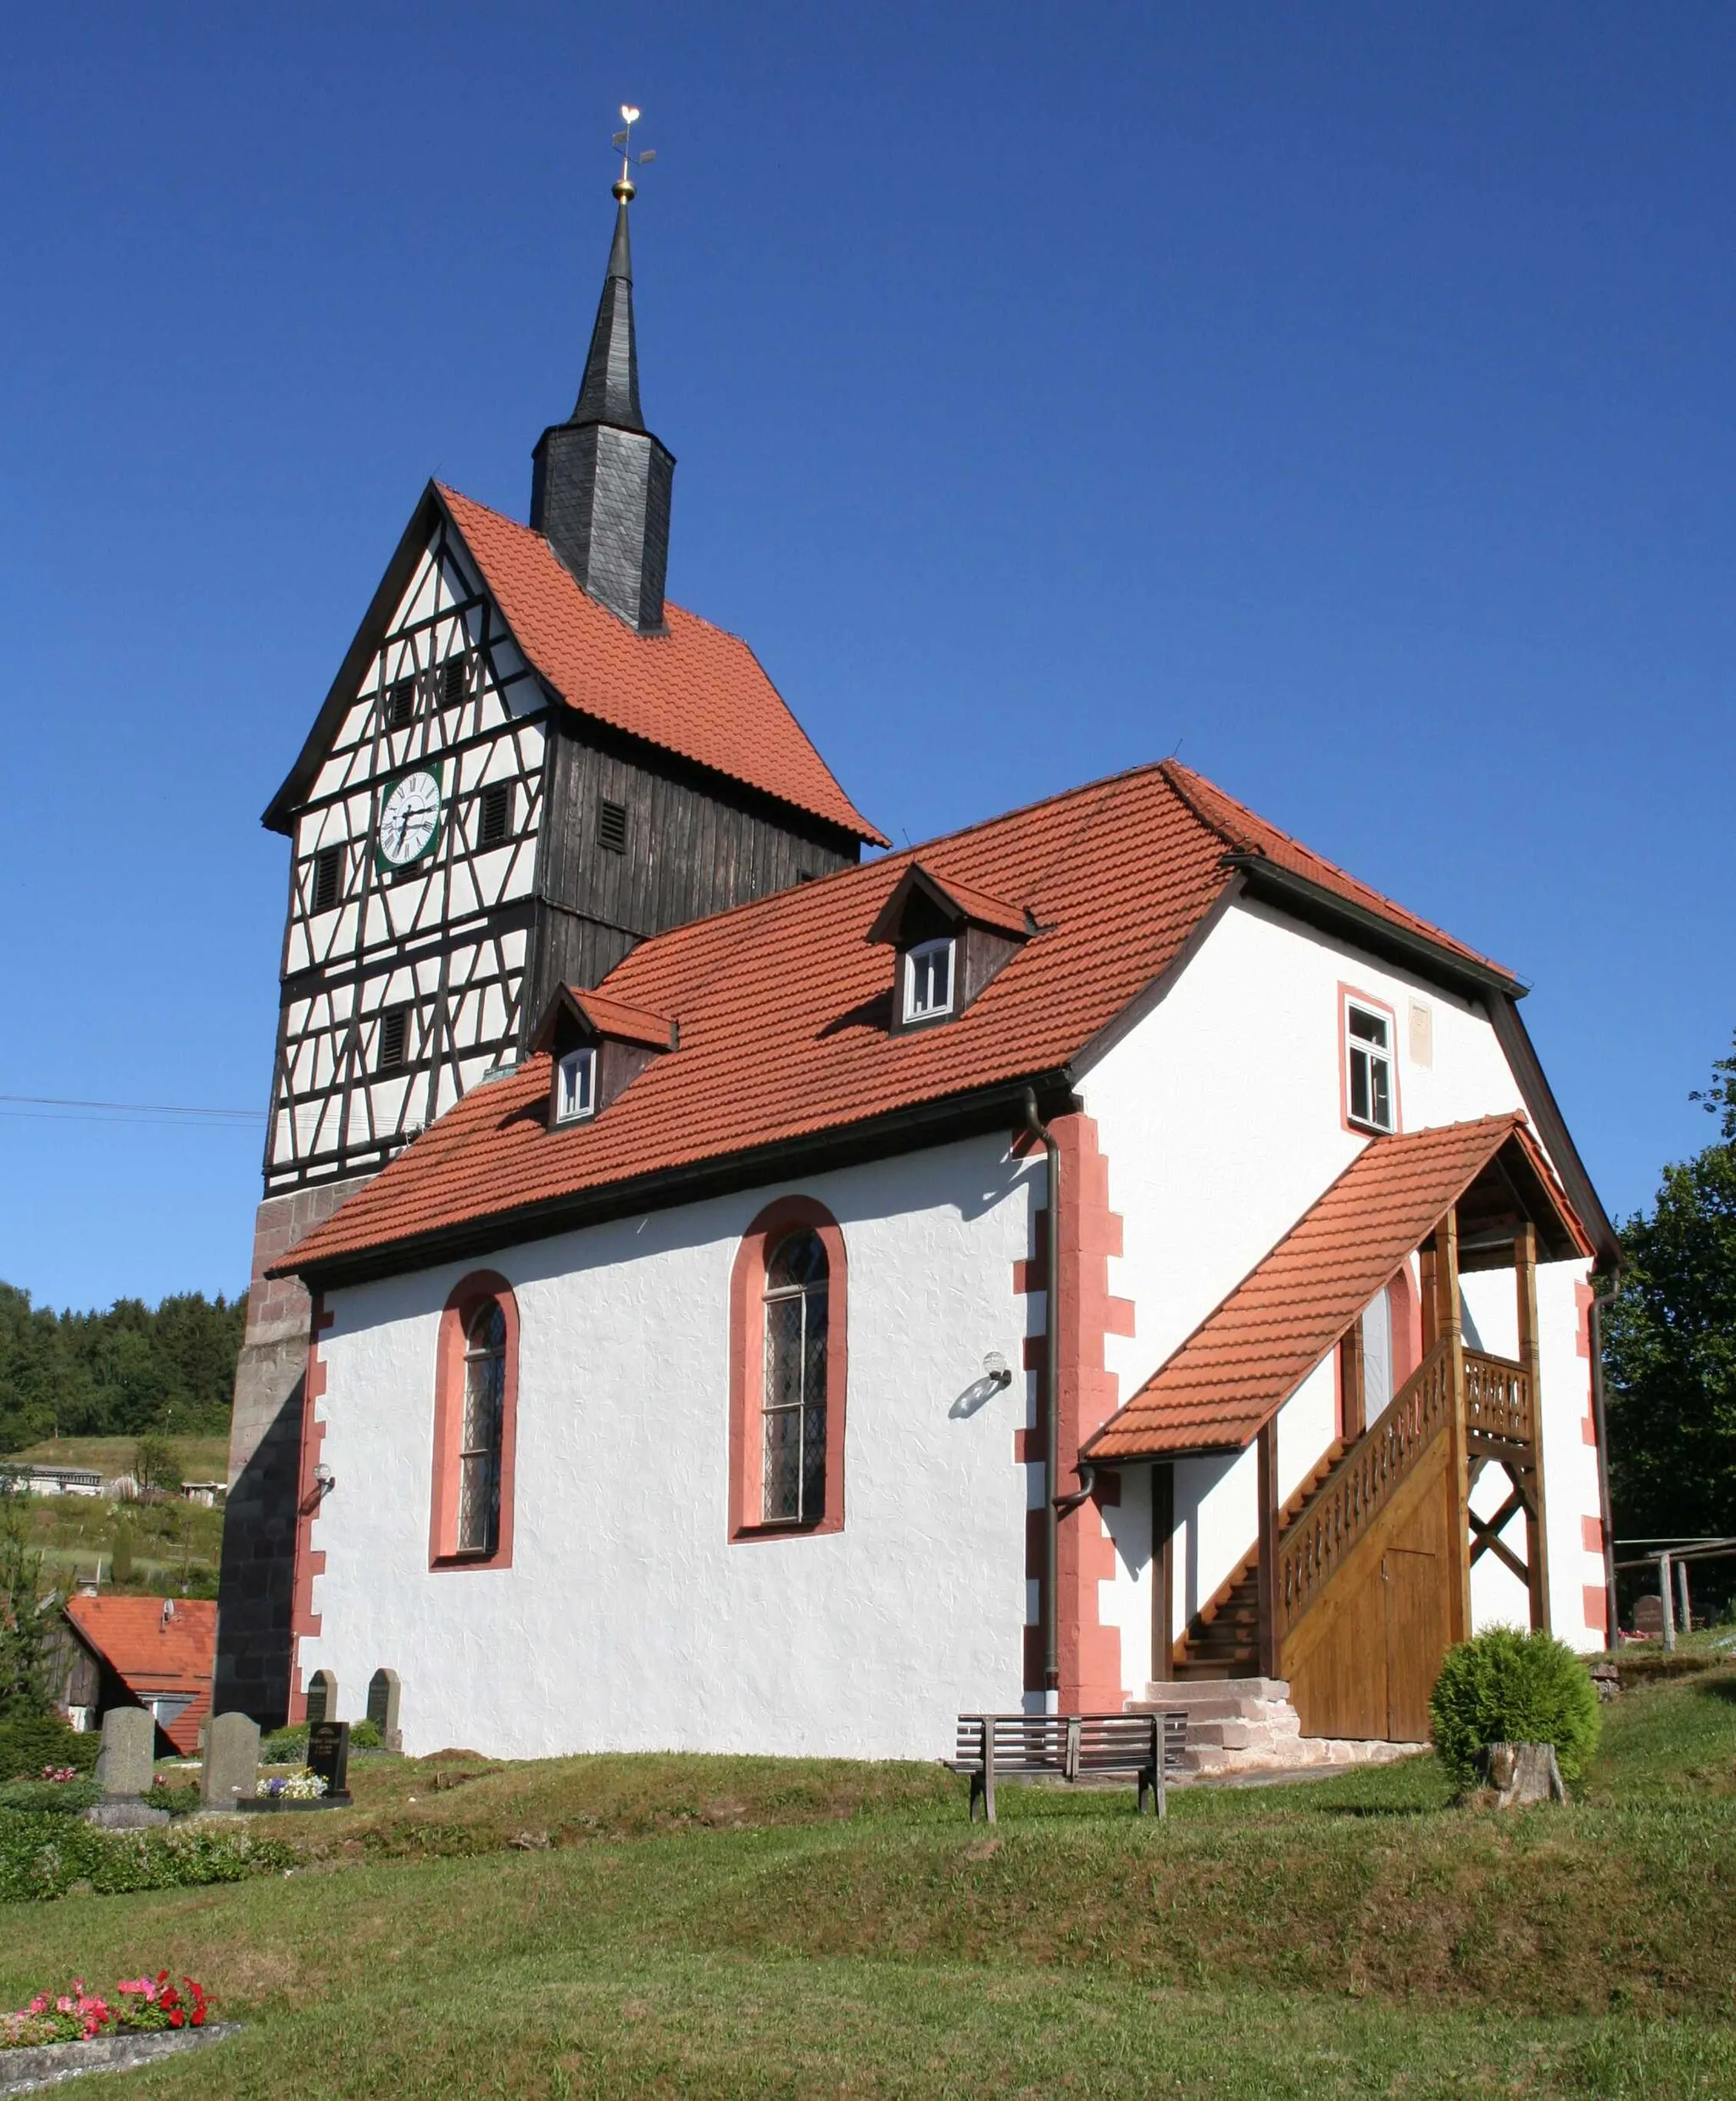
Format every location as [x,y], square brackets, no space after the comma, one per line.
[624,193]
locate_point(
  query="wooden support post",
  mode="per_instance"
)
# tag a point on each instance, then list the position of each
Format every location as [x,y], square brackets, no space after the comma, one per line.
[1163,1575]
[1682,1598]
[1536,1543]
[1353,1394]
[1665,1600]
[1270,1646]
[1448,1328]
[1427,1267]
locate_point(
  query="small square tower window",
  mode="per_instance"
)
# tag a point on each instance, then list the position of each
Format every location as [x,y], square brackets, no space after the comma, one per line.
[400,703]
[494,820]
[576,1085]
[928,980]
[612,826]
[328,877]
[1368,1067]
[394,1040]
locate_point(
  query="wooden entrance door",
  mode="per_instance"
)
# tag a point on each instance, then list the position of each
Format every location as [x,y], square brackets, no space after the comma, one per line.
[1413,1582]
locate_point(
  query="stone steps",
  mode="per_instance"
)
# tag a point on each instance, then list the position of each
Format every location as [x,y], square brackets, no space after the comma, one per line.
[1248,1725]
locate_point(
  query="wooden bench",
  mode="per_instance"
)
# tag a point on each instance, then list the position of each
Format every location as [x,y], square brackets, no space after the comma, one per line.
[1001,1746]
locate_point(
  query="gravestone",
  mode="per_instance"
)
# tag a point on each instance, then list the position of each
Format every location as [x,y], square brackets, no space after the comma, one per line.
[383,1690]
[322,1698]
[231,1769]
[328,1755]
[129,1748]
[123,1771]
[1649,1614]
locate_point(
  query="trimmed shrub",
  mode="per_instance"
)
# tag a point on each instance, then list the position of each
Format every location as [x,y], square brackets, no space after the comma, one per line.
[364,1735]
[285,1747]
[41,1857]
[31,1739]
[49,1797]
[1508,1687]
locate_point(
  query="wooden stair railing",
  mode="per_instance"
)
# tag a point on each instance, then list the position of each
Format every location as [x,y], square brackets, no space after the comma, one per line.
[1225,1631]
[1498,1412]
[1316,1543]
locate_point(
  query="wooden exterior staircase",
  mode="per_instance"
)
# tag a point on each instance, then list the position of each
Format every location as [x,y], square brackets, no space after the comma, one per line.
[1360,1583]
[1222,1639]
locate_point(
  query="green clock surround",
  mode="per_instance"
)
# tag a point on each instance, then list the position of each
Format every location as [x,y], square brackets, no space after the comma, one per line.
[411,813]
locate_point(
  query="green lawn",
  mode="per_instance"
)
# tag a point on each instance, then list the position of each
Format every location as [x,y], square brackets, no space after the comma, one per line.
[202,1458]
[690,1926]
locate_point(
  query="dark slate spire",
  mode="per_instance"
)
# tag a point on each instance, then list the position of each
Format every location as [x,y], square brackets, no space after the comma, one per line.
[600,490]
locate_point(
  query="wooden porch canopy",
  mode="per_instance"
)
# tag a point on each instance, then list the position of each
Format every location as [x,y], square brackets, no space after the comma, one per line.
[1245,1360]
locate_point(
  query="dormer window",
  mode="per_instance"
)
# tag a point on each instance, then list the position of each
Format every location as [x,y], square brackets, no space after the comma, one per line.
[928,980]
[949,941]
[575,1093]
[597,1047]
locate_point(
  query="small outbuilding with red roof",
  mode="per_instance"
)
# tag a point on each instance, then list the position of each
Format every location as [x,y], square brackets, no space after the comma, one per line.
[153,1652]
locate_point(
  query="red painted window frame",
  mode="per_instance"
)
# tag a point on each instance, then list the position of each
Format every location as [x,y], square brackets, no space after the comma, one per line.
[469,1296]
[747,1368]
[1348,993]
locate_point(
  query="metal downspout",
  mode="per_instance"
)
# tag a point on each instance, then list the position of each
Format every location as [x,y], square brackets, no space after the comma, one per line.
[1052,1394]
[1596,1324]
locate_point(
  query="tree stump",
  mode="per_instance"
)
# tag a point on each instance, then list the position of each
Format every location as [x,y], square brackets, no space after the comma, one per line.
[1519,1774]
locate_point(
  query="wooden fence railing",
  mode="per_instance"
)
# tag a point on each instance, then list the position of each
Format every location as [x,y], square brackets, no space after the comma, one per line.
[1320,1534]
[1497,1400]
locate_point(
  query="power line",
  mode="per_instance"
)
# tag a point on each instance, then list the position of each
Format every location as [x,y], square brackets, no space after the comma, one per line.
[67,1109]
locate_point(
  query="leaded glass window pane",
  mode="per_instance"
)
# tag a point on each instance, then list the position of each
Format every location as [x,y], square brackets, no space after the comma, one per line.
[479,1442]
[794,1406]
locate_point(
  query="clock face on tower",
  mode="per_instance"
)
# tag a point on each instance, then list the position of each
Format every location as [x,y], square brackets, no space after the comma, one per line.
[409,819]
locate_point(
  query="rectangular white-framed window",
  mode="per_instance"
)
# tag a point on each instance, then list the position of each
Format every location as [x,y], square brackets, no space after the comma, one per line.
[576,1086]
[928,980]
[1370,1090]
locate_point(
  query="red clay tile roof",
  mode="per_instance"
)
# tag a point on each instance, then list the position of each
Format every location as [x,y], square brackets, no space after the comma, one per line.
[696,690]
[783,1009]
[1245,1359]
[1243,833]
[152,1655]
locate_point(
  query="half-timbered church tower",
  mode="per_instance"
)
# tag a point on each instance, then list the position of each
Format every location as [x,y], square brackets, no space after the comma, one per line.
[528,761]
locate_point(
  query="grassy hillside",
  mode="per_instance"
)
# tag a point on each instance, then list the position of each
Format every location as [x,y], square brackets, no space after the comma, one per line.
[202,1458]
[746,1927]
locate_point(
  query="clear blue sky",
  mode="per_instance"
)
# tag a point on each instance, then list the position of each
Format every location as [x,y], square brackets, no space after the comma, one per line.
[1342,394]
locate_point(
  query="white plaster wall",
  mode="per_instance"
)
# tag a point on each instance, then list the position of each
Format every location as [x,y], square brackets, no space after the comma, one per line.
[627,1621]
[1221,1117]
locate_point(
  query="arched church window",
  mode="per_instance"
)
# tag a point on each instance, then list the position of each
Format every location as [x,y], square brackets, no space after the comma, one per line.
[475,1408]
[478,1453]
[793,1411]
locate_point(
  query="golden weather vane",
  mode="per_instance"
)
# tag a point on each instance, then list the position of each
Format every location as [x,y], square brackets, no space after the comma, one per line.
[623,143]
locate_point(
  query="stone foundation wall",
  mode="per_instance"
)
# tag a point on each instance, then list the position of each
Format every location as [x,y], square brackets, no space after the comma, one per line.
[256,1581]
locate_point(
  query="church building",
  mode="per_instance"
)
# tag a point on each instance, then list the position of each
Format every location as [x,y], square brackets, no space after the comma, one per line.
[713,1293]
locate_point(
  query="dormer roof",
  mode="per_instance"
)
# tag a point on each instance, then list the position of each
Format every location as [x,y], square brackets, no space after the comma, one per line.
[960,902]
[597,1015]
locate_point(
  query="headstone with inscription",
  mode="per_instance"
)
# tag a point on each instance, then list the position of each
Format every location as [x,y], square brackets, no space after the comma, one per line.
[328,1755]
[231,1772]
[1649,1614]
[383,1690]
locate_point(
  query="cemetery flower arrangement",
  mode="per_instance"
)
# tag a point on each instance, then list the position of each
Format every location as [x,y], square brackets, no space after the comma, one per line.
[141,2005]
[62,1773]
[304,1785]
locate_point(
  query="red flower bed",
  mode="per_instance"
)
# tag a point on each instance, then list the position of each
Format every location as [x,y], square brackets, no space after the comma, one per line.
[140,2005]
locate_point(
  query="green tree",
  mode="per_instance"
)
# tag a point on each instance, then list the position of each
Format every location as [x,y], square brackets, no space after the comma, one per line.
[24,1635]
[155,1464]
[1670,1346]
